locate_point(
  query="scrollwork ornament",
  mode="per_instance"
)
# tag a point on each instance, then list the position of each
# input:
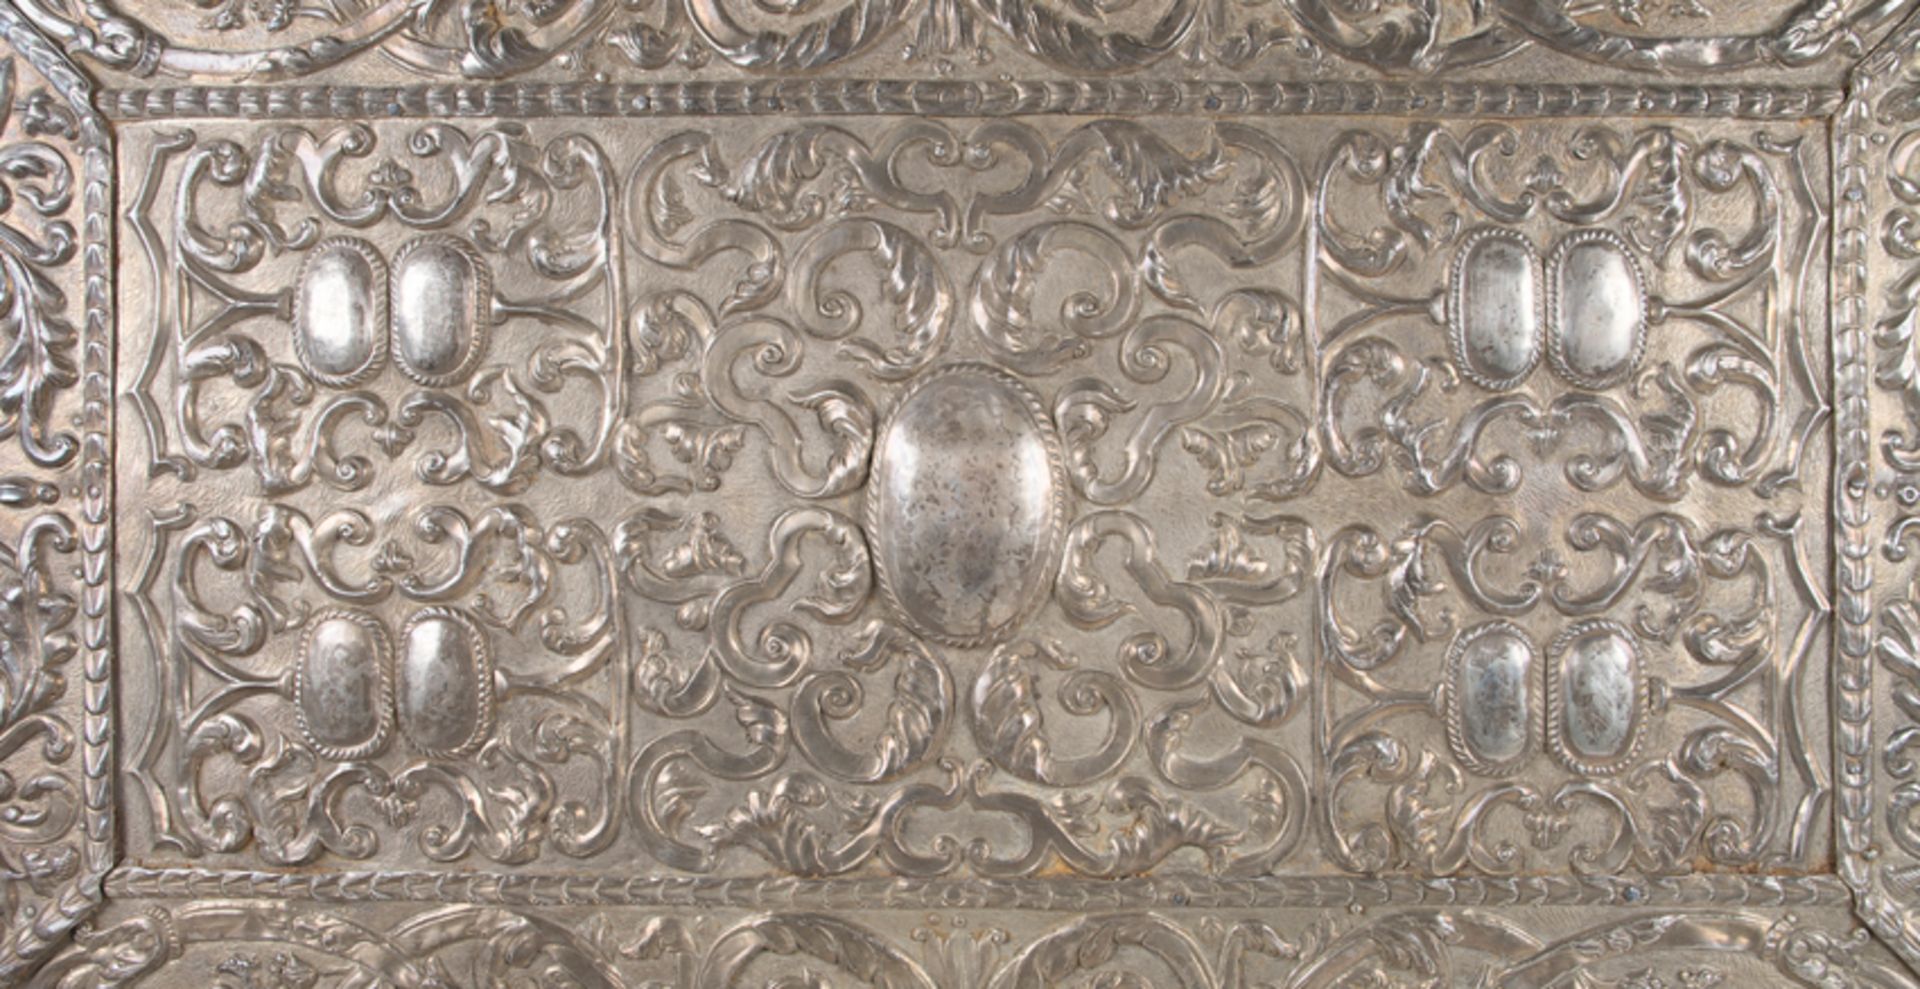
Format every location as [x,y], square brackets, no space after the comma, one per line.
[56,567]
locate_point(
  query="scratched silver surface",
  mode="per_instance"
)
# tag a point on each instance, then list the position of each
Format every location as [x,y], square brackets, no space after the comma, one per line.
[959,493]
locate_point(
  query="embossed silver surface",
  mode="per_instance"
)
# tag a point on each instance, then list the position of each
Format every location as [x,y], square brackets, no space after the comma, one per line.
[959,493]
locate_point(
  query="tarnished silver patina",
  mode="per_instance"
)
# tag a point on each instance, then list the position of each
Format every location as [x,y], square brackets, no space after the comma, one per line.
[959,493]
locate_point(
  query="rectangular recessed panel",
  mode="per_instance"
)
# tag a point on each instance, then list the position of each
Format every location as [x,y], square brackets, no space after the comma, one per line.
[978,498]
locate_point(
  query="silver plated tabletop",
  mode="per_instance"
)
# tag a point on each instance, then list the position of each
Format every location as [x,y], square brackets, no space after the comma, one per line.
[959,493]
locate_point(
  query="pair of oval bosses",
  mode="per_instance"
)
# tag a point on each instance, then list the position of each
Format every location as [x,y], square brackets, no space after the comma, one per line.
[347,700]
[1596,698]
[431,311]
[1594,317]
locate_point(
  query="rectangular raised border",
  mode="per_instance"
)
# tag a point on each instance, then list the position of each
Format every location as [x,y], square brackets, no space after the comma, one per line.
[1856,133]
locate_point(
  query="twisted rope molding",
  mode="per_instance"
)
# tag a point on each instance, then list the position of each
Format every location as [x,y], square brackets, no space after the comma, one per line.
[968,98]
[1199,892]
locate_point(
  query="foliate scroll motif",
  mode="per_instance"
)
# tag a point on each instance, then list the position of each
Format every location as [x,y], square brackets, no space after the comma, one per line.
[1614,701]
[55,566]
[1880,655]
[1574,358]
[748,504]
[1632,308]
[350,334]
[39,359]
[40,545]
[976,499]
[270,943]
[356,323]
[42,796]
[249,40]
